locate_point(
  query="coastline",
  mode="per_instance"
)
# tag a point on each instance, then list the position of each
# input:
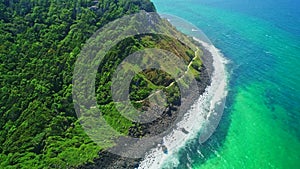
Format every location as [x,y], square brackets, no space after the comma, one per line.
[177,138]
[203,112]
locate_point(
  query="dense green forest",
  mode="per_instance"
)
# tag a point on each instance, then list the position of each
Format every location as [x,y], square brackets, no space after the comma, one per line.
[39,42]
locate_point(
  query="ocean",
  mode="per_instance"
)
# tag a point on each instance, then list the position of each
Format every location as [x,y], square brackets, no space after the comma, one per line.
[260,126]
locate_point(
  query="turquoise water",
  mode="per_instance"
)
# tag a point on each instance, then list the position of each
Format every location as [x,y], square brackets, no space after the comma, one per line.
[260,127]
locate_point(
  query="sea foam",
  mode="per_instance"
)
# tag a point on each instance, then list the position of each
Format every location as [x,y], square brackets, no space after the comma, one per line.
[196,119]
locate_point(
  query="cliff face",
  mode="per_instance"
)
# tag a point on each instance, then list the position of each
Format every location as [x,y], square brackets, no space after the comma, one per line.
[140,86]
[39,43]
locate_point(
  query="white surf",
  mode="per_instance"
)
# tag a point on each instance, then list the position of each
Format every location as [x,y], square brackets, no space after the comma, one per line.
[195,119]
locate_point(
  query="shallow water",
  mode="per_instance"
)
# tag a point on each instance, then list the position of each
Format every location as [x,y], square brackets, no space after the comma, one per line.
[260,125]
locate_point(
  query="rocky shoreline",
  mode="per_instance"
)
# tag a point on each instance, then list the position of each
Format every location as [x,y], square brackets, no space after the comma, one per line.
[107,160]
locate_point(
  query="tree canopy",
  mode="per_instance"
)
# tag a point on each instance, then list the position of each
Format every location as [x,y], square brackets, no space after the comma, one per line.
[39,43]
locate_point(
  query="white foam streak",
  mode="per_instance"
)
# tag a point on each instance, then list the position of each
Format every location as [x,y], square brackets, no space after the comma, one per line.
[195,119]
